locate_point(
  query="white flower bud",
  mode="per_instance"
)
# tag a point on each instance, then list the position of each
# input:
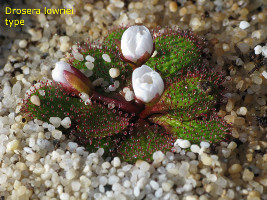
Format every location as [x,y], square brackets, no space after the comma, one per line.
[72,79]
[135,41]
[57,73]
[147,83]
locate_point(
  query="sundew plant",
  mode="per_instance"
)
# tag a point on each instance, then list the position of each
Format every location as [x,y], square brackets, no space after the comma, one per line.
[136,93]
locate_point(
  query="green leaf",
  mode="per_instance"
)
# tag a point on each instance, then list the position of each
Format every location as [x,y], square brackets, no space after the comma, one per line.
[176,50]
[116,34]
[102,67]
[107,143]
[98,121]
[211,129]
[54,102]
[187,97]
[92,121]
[143,141]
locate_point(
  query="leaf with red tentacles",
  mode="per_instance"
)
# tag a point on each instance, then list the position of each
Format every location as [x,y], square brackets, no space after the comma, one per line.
[97,121]
[101,67]
[176,50]
[210,128]
[189,96]
[143,141]
[93,121]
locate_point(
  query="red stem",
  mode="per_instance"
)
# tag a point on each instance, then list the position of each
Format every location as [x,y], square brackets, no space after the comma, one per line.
[126,106]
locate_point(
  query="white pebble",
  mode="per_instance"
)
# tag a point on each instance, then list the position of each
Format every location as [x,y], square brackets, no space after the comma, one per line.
[184,144]
[126,183]
[258,49]
[6,89]
[72,146]
[103,180]
[257,34]
[12,145]
[212,177]
[239,62]
[114,72]
[33,157]
[55,121]
[264,74]
[125,89]
[127,168]
[22,43]
[84,96]
[264,51]
[191,155]
[184,169]
[195,148]
[28,150]
[118,4]
[158,156]
[90,58]
[42,143]
[31,142]
[244,25]
[113,179]
[136,191]
[154,185]
[56,134]
[50,127]
[129,96]
[112,88]
[106,58]
[75,186]
[205,144]
[35,100]
[187,187]
[242,111]
[232,145]
[41,92]
[66,122]
[191,197]
[159,193]
[100,151]
[78,56]
[89,65]
[206,159]
[226,152]
[64,196]
[105,165]
[116,162]
[70,174]
[166,186]
[88,102]
[116,84]
[154,54]
[80,151]
[144,166]
[16,88]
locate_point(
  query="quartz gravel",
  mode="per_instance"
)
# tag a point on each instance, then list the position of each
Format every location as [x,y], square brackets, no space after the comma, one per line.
[39,162]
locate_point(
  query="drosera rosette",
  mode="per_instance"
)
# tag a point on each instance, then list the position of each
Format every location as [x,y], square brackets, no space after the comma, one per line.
[144,90]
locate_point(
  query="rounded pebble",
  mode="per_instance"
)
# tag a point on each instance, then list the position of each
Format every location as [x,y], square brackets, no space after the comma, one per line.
[114,72]
[35,100]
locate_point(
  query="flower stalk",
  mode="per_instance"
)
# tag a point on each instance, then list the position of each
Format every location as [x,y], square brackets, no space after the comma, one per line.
[130,107]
